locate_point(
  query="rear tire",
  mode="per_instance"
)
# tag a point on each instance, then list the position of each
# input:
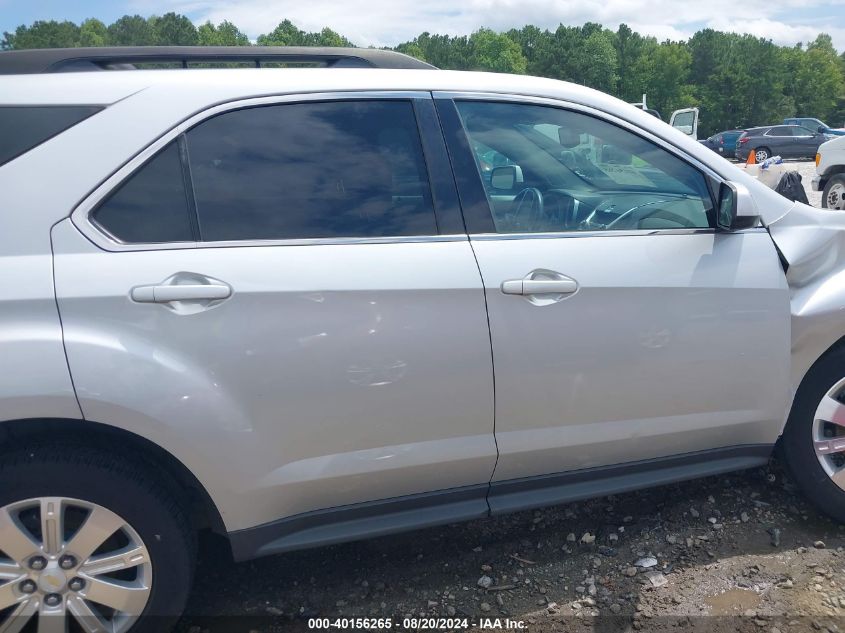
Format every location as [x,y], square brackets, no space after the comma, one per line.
[833,196]
[812,444]
[118,491]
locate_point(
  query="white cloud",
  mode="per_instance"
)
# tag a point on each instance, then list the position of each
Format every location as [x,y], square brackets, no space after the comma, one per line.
[388,22]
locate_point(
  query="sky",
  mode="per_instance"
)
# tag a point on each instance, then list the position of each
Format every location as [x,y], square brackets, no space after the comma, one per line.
[389,22]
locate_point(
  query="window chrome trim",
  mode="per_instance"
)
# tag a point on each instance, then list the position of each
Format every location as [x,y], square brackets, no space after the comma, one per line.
[492,237]
[81,215]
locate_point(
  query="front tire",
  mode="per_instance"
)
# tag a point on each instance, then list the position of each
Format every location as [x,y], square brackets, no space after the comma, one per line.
[833,195]
[813,441]
[90,536]
[761,154]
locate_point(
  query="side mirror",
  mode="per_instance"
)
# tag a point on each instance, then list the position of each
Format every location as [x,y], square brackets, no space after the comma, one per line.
[506,177]
[820,130]
[737,209]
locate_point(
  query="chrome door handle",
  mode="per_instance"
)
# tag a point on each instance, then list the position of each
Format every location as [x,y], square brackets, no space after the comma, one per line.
[180,292]
[539,286]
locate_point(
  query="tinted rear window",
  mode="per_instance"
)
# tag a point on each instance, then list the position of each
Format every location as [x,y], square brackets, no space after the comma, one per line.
[311,170]
[24,127]
[152,206]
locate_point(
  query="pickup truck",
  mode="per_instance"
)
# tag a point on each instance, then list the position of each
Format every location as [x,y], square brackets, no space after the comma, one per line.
[830,173]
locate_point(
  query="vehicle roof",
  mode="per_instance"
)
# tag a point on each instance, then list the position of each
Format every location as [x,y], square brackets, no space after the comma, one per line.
[108,87]
[769,127]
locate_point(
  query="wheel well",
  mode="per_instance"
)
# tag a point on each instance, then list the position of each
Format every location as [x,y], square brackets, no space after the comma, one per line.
[833,170]
[837,346]
[204,513]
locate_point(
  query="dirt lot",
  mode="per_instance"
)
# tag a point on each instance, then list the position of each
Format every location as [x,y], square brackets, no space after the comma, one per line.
[741,552]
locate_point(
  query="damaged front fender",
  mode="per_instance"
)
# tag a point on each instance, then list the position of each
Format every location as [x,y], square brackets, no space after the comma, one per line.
[812,243]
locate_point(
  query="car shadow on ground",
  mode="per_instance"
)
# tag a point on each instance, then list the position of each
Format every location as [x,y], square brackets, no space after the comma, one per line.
[732,552]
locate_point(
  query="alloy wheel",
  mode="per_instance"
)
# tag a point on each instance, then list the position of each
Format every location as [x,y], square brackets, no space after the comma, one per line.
[761,155]
[63,559]
[829,433]
[835,197]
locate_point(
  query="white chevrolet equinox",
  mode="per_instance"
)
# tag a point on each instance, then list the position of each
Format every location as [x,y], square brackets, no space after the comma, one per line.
[298,306]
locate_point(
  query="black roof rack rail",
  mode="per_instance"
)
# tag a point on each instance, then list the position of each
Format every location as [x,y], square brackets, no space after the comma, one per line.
[52,60]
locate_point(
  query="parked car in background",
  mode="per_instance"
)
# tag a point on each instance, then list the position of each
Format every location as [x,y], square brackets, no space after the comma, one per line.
[816,125]
[787,141]
[723,143]
[830,173]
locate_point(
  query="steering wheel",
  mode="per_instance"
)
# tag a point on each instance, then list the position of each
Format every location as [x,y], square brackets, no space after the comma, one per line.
[631,218]
[527,207]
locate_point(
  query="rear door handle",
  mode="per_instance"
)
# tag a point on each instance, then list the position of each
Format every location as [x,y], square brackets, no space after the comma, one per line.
[539,286]
[180,292]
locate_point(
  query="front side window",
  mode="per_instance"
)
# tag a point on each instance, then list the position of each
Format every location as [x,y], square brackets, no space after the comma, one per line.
[558,170]
[311,170]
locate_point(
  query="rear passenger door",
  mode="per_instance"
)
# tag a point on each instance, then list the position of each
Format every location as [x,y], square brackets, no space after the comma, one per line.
[283,294]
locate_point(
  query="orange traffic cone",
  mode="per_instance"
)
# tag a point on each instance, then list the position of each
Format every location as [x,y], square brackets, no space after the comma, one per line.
[752,158]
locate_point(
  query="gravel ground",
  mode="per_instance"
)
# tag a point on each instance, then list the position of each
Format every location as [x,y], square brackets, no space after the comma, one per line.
[807,169]
[741,552]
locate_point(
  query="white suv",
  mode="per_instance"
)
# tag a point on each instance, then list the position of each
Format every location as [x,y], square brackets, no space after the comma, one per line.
[307,305]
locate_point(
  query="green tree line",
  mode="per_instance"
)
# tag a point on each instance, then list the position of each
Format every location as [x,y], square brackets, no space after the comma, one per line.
[736,80]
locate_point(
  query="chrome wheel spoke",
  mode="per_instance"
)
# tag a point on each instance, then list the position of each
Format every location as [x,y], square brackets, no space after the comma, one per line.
[14,540]
[838,477]
[8,595]
[831,410]
[18,618]
[131,556]
[82,613]
[52,619]
[52,525]
[119,596]
[830,446]
[99,526]
[10,571]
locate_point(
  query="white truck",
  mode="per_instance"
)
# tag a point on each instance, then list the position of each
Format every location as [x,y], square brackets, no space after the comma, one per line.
[830,173]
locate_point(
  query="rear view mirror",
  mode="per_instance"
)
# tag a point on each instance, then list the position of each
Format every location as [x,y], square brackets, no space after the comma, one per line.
[568,138]
[737,209]
[506,177]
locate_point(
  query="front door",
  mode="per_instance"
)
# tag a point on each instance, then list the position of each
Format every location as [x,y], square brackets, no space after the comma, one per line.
[278,298]
[624,327]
